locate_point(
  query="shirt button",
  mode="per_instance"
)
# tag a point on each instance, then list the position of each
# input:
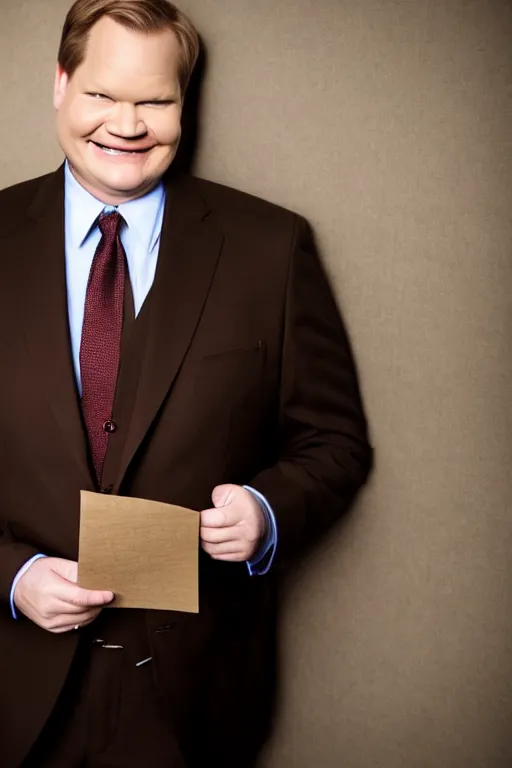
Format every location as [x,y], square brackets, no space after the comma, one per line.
[109,426]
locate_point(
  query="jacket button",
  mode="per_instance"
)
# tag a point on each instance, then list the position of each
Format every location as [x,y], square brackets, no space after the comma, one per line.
[109,426]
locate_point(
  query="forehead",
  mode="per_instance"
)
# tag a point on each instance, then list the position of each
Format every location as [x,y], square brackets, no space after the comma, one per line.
[123,58]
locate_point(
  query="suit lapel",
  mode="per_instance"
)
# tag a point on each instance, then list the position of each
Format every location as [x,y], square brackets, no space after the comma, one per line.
[190,247]
[46,325]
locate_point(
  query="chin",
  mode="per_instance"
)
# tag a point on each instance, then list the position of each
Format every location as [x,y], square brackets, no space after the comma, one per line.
[126,184]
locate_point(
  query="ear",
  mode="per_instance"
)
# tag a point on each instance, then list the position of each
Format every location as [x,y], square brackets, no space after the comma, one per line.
[60,87]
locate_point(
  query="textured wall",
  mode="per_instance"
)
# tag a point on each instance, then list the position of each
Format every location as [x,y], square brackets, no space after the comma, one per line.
[388,125]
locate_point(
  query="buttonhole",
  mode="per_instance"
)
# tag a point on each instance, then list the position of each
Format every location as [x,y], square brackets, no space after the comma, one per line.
[165,628]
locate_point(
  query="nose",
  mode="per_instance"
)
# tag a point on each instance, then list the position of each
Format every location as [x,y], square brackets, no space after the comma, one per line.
[125,122]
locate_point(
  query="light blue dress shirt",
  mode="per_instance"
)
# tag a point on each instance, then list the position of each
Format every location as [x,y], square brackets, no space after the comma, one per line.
[140,235]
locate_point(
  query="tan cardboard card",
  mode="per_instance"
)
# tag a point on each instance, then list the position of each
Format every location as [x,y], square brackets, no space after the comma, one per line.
[146,552]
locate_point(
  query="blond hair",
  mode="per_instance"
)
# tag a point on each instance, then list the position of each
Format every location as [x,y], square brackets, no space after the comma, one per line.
[144,16]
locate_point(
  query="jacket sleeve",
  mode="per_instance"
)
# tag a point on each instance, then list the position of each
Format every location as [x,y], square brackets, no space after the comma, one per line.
[324,455]
[13,555]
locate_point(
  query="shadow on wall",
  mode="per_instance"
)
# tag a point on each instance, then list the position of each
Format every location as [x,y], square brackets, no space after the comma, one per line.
[190,135]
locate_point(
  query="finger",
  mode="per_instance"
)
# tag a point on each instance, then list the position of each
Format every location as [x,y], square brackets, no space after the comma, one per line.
[232,558]
[225,517]
[224,548]
[63,622]
[76,626]
[217,535]
[81,619]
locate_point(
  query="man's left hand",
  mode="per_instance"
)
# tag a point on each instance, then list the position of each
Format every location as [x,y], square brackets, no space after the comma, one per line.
[234,528]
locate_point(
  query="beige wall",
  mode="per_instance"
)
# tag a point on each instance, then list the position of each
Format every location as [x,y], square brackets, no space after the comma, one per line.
[388,125]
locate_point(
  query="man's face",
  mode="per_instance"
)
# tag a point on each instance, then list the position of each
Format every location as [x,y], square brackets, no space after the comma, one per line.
[119,115]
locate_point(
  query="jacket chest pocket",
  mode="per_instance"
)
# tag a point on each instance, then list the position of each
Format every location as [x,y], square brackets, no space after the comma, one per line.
[228,398]
[231,378]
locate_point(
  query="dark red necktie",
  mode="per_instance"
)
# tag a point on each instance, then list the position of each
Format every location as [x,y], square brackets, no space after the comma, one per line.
[101,336]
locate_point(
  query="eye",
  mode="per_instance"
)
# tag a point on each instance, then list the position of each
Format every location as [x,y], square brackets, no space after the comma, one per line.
[158,103]
[98,96]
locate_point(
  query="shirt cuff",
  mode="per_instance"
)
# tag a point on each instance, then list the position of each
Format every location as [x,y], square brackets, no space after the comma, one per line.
[22,570]
[264,556]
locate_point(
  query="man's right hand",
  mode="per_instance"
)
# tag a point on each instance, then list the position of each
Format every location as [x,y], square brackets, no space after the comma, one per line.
[48,595]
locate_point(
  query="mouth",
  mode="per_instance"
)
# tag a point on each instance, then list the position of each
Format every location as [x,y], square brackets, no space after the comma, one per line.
[117,151]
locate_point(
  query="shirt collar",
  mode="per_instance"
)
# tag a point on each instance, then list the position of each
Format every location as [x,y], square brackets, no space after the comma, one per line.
[143,216]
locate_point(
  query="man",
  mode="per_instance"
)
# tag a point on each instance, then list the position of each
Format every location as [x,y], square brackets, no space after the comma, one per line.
[166,338]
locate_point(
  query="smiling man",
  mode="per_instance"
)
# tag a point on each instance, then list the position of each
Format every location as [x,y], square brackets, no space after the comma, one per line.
[171,339]
[119,110]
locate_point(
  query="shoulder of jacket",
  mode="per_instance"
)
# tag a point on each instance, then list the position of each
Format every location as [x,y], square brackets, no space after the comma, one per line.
[17,198]
[227,201]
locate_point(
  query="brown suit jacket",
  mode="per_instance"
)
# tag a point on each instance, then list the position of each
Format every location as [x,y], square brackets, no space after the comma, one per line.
[238,370]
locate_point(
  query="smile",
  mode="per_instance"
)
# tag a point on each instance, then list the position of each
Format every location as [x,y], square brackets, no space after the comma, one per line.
[112,151]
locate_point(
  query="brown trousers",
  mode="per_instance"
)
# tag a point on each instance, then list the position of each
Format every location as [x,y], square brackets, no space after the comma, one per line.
[109,714]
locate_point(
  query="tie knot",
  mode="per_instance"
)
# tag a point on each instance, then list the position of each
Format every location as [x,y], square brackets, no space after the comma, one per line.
[109,223]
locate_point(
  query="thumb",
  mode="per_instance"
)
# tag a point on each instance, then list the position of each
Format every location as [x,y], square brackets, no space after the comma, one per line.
[78,596]
[91,598]
[221,495]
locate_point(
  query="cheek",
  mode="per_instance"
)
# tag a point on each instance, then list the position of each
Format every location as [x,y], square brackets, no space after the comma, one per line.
[167,132]
[80,122]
